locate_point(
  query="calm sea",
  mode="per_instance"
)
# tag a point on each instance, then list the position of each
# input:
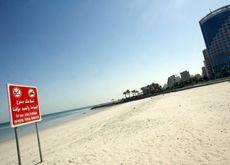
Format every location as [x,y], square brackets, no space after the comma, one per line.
[50,120]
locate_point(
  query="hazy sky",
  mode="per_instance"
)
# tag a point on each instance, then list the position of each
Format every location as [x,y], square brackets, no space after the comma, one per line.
[84,52]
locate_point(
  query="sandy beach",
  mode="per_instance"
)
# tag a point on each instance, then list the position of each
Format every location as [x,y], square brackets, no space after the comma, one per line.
[186,127]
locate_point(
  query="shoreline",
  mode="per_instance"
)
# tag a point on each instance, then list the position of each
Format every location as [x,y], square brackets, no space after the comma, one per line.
[47,123]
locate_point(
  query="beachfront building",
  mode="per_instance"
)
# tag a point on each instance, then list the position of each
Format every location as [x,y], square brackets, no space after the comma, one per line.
[151,89]
[185,76]
[208,64]
[215,28]
[172,80]
[204,73]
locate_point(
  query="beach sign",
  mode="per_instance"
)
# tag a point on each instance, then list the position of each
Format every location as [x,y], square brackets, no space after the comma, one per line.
[24,105]
[24,109]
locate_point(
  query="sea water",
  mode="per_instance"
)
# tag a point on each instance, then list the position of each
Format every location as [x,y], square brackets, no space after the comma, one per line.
[48,121]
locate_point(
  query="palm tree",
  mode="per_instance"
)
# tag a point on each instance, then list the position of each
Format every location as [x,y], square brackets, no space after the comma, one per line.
[124,93]
[128,92]
[133,92]
[136,92]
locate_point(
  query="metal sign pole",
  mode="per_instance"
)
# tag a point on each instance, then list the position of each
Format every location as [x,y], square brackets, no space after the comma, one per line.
[39,145]
[17,144]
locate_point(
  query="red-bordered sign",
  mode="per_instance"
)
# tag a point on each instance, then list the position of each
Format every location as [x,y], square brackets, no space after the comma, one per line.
[24,105]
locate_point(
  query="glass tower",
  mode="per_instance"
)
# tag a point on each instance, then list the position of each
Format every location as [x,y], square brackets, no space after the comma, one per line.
[216,32]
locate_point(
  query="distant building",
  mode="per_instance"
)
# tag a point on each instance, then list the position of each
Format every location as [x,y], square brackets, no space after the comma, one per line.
[215,28]
[172,80]
[198,76]
[151,89]
[204,72]
[208,64]
[165,86]
[185,76]
[145,90]
[177,79]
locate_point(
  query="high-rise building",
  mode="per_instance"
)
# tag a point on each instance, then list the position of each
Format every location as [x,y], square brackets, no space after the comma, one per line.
[216,32]
[208,64]
[185,76]
[204,72]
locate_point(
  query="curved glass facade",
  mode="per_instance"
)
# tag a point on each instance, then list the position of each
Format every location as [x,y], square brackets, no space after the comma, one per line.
[216,32]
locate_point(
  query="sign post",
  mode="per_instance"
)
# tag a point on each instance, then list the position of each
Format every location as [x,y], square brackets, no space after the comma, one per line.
[24,109]
[17,145]
[39,144]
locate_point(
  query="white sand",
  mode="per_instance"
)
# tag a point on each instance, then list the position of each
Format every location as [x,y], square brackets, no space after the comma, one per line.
[187,127]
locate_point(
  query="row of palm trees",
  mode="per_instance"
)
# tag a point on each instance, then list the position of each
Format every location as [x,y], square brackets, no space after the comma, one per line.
[127,93]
